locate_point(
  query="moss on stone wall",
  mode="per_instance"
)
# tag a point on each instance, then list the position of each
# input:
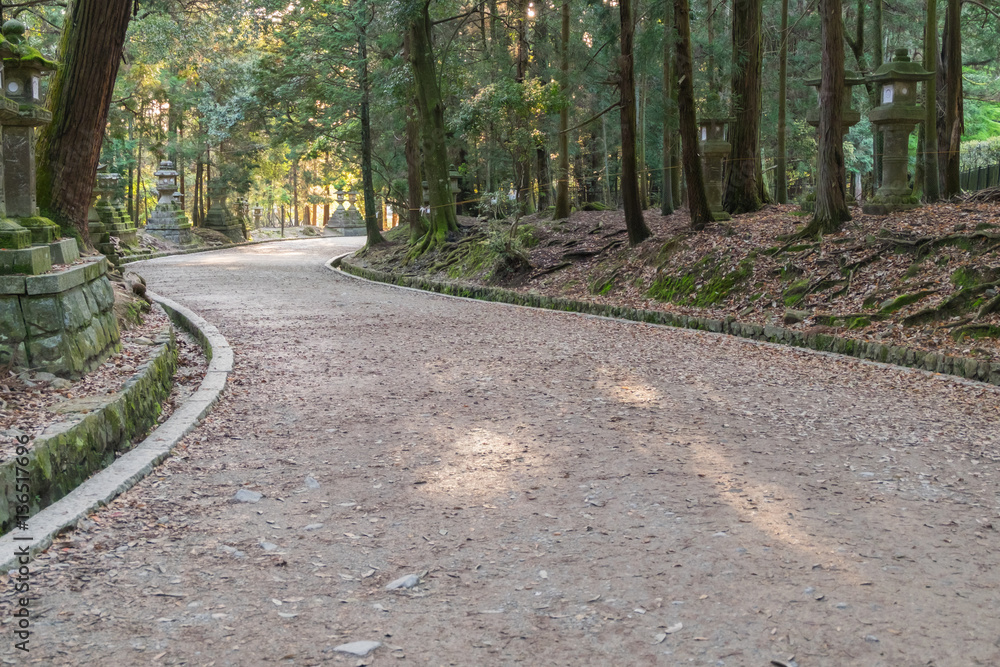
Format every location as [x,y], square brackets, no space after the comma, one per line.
[67,453]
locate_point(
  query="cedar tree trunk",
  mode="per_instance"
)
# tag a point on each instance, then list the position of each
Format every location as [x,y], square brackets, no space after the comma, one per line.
[742,191]
[697,200]
[79,95]
[562,187]
[831,200]
[637,229]
[431,110]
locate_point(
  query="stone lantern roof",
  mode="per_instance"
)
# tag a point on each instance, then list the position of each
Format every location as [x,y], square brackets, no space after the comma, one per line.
[900,68]
[23,66]
[851,78]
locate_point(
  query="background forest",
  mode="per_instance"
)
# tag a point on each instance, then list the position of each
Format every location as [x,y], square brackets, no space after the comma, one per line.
[269,96]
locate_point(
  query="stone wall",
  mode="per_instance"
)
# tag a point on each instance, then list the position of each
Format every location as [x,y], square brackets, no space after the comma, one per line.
[70,451]
[61,322]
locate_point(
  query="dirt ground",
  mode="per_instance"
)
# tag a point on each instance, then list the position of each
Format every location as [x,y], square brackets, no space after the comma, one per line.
[569,490]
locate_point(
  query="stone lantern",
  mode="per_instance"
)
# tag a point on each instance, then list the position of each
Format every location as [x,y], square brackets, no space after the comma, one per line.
[116,220]
[22,71]
[218,217]
[258,212]
[849,116]
[714,150]
[896,116]
[178,199]
[455,189]
[168,220]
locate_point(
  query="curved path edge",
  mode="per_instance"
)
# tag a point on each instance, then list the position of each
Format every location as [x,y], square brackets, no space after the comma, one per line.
[18,547]
[962,369]
[130,259]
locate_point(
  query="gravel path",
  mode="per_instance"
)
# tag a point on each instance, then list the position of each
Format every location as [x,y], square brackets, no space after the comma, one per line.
[569,491]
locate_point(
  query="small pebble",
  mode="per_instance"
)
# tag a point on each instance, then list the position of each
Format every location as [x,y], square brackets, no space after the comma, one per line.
[360,649]
[312,483]
[247,496]
[313,526]
[409,581]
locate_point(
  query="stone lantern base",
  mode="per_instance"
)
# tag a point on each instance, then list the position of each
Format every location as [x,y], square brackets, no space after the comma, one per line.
[169,222]
[345,223]
[118,224]
[219,220]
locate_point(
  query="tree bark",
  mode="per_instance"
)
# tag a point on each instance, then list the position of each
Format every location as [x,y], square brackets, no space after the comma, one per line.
[879,58]
[431,110]
[634,223]
[951,53]
[371,219]
[831,200]
[697,200]
[781,170]
[667,198]
[522,159]
[932,180]
[742,192]
[562,188]
[414,186]
[79,95]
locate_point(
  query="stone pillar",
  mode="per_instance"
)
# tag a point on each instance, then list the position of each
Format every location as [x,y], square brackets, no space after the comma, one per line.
[714,150]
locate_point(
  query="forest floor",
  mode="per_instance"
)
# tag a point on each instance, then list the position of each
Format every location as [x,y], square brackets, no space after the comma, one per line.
[926,278]
[564,490]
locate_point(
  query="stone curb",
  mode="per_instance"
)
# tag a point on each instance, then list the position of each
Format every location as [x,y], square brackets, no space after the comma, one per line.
[192,251]
[69,451]
[962,367]
[139,461]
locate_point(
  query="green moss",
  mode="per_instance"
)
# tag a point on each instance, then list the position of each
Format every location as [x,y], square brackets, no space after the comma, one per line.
[964,277]
[857,322]
[703,284]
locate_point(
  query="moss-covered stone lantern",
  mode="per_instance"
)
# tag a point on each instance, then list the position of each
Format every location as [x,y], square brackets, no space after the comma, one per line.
[714,151]
[218,218]
[258,212]
[849,116]
[896,116]
[23,68]
[453,177]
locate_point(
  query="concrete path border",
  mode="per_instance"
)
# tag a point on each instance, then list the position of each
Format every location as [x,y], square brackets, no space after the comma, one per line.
[334,265]
[18,547]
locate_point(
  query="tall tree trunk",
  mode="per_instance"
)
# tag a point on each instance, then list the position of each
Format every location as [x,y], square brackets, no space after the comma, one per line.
[295,192]
[831,201]
[667,198]
[414,186]
[522,154]
[951,52]
[697,200]
[742,192]
[641,125]
[562,187]
[367,184]
[431,109]
[781,169]
[878,140]
[543,174]
[637,229]
[80,95]
[932,180]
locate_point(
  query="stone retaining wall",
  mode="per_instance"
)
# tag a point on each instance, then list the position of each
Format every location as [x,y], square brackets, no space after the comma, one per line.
[60,322]
[68,452]
[972,369]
